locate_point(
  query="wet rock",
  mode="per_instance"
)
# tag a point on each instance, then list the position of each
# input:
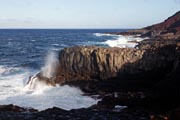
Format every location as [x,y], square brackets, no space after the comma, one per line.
[13,108]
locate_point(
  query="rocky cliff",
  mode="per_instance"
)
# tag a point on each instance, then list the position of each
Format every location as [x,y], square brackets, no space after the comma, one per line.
[103,63]
[168,29]
[123,68]
[146,79]
[130,67]
[151,62]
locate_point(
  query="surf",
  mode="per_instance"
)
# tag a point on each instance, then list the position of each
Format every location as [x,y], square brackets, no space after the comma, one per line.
[17,89]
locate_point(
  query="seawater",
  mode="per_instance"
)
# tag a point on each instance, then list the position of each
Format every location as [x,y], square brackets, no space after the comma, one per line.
[24,53]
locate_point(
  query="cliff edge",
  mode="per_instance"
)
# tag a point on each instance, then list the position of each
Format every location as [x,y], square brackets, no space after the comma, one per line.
[168,29]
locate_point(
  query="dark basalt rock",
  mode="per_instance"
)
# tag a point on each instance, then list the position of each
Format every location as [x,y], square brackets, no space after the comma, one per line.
[148,82]
[14,108]
[97,69]
[79,114]
[119,67]
[102,70]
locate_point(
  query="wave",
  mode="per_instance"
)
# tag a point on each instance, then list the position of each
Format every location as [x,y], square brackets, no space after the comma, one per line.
[90,43]
[15,90]
[103,34]
[119,40]
[32,40]
[8,70]
[58,47]
[65,97]
[12,80]
[124,41]
[51,62]
[55,44]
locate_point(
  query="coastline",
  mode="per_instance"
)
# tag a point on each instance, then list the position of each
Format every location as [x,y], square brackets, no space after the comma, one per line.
[144,84]
[137,101]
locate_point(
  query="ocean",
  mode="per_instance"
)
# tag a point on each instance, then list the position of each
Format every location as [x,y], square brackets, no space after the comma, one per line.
[25,52]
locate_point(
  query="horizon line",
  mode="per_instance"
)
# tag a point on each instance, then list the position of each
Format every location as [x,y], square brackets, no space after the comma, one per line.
[65,28]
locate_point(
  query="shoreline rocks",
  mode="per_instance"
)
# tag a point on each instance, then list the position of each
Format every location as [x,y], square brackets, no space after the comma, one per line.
[146,80]
[92,68]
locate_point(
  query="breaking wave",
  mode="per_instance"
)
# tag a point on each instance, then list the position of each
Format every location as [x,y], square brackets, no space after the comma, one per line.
[38,95]
[124,41]
[102,34]
[120,40]
[51,62]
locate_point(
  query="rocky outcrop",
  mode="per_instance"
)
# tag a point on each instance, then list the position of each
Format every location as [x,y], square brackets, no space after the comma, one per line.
[106,63]
[96,62]
[146,79]
[16,109]
[169,29]
[99,68]
[78,114]
[120,67]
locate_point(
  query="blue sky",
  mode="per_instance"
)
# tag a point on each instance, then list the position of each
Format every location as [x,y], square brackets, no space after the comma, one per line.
[84,13]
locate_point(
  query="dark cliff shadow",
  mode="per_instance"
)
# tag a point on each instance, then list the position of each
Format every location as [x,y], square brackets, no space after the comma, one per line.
[161,82]
[154,66]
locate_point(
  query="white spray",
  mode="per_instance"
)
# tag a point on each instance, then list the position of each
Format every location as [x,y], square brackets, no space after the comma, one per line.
[49,69]
[36,93]
[51,63]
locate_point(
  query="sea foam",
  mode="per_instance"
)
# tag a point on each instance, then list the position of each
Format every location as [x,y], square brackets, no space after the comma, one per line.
[14,90]
[103,34]
[124,41]
[120,40]
[51,62]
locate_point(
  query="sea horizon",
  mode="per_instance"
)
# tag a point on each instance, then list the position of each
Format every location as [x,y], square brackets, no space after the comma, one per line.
[67,28]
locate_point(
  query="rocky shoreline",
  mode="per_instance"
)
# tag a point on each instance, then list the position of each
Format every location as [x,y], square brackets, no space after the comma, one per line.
[139,83]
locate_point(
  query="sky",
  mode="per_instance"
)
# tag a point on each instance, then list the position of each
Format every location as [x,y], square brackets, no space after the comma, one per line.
[85,13]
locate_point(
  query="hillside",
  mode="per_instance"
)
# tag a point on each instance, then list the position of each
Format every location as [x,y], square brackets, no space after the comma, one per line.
[168,29]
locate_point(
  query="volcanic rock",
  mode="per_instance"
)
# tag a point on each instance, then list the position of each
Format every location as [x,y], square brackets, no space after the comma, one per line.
[14,108]
[100,69]
[169,29]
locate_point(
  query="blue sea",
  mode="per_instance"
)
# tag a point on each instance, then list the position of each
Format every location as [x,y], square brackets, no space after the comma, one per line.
[24,52]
